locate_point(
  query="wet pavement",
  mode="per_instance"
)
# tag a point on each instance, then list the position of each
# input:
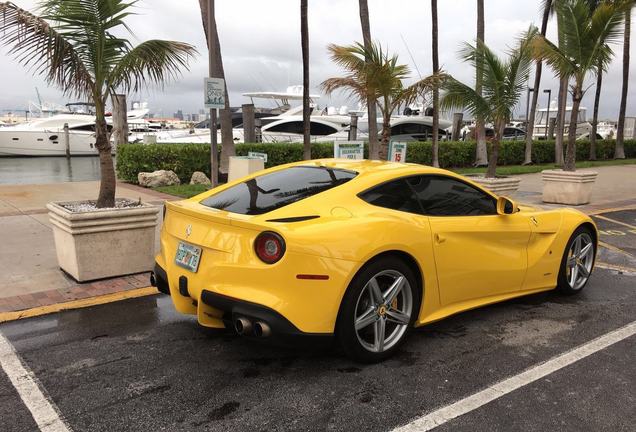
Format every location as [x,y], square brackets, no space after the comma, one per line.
[38,170]
[138,365]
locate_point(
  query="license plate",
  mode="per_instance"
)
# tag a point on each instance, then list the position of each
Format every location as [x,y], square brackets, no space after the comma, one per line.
[188,256]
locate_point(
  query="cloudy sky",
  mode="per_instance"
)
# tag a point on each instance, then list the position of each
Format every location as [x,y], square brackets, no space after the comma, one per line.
[260,43]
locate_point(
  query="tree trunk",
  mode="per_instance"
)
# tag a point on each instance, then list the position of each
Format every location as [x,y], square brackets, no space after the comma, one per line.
[372,112]
[597,99]
[481,157]
[386,134]
[560,121]
[217,71]
[619,152]
[120,120]
[493,157]
[108,181]
[435,52]
[570,153]
[304,42]
[535,94]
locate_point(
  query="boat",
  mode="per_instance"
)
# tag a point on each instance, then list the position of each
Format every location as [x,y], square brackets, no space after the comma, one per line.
[45,136]
[542,122]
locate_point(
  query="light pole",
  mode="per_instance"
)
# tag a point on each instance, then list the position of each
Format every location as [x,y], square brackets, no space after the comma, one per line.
[530,90]
[547,114]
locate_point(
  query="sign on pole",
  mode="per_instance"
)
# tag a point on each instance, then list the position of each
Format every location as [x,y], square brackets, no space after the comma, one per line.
[348,149]
[258,155]
[397,151]
[214,93]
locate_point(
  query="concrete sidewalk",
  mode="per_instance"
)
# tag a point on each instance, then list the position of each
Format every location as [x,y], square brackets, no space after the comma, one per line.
[29,274]
[30,277]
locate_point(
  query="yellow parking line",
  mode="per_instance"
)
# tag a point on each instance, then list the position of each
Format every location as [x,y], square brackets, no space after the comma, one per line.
[614,267]
[615,221]
[77,304]
[609,210]
[613,248]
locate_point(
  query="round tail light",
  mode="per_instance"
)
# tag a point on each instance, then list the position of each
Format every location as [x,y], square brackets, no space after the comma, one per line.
[269,247]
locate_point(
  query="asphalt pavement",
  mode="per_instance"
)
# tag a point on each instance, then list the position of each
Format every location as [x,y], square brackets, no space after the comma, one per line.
[138,365]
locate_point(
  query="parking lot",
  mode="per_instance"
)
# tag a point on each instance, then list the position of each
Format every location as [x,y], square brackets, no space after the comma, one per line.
[138,365]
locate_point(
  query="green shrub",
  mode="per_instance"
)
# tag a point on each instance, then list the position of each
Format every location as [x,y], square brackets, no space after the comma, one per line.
[184,159]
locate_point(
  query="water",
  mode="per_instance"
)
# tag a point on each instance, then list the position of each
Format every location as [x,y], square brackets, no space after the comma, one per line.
[37,170]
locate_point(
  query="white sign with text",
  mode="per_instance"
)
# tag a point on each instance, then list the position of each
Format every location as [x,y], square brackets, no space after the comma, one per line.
[258,155]
[348,149]
[397,151]
[214,93]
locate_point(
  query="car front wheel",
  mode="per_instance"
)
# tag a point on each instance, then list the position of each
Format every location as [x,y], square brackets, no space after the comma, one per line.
[378,310]
[577,262]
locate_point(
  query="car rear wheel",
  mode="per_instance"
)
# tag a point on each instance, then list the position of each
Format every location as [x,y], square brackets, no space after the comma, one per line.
[577,262]
[378,310]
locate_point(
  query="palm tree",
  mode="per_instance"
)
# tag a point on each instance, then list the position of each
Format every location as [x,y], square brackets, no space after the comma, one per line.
[304,42]
[619,151]
[503,83]
[585,38]
[481,157]
[372,112]
[547,6]
[76,46]
[435,54]
[372,72]
[216,66]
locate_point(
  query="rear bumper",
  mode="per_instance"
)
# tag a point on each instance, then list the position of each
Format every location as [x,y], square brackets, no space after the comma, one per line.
[281,328]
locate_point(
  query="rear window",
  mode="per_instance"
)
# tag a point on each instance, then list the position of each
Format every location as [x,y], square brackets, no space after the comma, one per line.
[278,189]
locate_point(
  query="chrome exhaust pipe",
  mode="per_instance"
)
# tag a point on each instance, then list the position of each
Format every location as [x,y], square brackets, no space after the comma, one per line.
[261,329]
[242,326]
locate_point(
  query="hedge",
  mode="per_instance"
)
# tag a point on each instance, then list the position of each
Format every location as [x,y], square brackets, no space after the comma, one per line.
[184,159]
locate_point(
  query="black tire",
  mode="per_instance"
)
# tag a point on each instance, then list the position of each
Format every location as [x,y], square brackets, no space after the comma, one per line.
[564,285]
[346,333]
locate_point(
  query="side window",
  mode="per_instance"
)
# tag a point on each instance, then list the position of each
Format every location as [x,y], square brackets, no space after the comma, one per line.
[445,196]
[395,195]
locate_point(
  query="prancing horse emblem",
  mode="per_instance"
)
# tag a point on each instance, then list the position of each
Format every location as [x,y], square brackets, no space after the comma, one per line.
[188,230]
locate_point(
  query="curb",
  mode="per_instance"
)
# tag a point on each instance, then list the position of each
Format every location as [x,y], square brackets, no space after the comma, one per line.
[77,304]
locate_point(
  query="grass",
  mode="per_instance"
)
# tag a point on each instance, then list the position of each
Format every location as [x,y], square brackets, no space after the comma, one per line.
[529,169]
[187,190]
[183,191]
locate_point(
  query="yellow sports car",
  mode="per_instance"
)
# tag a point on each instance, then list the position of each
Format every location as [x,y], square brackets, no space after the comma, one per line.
[363,250]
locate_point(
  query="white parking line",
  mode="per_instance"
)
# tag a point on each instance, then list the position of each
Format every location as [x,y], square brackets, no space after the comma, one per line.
[43,410]
[502,388]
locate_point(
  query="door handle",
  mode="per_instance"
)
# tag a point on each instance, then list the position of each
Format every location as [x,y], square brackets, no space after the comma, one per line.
[439,239]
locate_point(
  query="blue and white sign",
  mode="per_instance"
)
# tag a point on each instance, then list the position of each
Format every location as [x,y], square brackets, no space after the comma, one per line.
[348,149]
[214,92]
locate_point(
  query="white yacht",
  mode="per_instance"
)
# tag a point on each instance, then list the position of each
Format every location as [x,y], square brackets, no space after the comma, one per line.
[45,136]
[542,122]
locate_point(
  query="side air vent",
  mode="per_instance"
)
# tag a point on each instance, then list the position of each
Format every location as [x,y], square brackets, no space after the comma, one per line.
[294,219]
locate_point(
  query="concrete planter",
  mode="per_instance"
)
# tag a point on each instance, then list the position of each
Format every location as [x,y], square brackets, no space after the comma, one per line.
[504,186]
[568,187]
[241,166]
[104,243]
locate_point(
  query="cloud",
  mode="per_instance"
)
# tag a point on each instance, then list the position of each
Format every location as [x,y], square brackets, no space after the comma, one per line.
[260,43]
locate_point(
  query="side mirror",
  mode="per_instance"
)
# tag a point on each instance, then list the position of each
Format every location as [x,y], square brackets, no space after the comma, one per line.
[506,206]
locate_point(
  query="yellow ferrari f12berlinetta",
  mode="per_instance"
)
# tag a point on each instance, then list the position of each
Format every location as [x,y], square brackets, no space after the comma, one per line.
[360,250]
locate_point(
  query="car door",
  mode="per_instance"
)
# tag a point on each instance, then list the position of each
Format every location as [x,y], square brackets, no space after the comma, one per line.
[478,253]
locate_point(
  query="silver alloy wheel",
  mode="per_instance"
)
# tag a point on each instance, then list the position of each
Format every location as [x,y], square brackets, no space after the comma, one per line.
[579,262]
[383,311]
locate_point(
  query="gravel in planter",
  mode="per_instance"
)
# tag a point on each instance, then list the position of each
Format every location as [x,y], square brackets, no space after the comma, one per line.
[90,205]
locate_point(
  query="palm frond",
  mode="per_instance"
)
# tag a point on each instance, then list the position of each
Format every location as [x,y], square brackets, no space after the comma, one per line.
[151,62]
[348,85]
[421,89]
[459,96]
[47,52]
